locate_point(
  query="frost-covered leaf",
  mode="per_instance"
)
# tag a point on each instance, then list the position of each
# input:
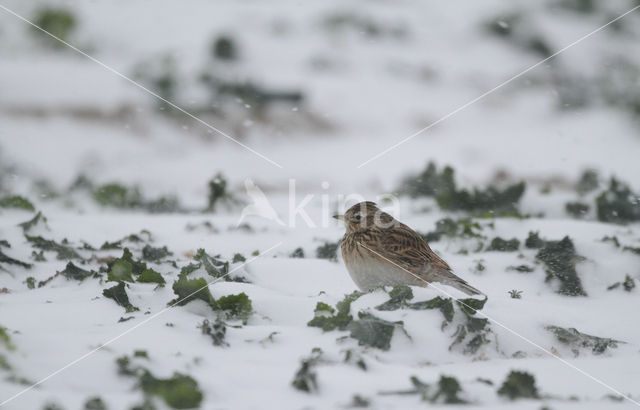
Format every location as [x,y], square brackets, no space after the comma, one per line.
[73,272]
[576,340]
[63,250]
[119,294]
[560,258]
[372,331]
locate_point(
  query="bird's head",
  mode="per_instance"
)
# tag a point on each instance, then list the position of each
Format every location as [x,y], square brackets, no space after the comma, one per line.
[365,215]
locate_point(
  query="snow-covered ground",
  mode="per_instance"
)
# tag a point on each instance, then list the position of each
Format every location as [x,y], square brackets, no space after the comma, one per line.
[371,74]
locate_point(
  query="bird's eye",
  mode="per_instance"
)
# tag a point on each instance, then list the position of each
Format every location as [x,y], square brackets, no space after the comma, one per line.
[358,217]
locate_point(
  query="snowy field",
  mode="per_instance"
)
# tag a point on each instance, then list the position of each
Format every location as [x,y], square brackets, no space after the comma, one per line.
[116,207]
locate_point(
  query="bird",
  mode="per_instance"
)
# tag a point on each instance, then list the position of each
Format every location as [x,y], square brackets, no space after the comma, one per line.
[378,250]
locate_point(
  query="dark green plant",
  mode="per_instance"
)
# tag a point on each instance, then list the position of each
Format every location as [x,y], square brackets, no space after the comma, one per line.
[59,22]
[560,259]
[519,385]
[618,204]
[224,48]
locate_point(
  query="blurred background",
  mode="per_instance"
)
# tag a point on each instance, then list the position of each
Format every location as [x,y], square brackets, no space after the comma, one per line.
[318,89]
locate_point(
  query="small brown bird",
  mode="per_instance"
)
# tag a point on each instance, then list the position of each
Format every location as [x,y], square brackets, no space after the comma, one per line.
[378,250]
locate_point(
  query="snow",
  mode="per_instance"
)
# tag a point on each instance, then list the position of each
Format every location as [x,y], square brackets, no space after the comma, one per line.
[62,115]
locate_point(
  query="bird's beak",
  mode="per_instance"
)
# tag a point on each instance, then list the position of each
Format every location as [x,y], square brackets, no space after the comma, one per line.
[339,217]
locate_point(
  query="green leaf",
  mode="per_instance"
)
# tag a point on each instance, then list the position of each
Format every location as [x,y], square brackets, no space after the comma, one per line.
[399,296]
[119,294]
[445,305]
[73,272]
[120,271]
[191,289]
[151,276]
[16,202]
[470,305]
[372,331]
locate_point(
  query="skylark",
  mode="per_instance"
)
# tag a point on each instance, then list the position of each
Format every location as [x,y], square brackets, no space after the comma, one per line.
[378,250]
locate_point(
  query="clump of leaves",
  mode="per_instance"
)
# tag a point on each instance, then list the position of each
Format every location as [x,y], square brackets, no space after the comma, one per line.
[73,272]
[589,181]
[491,199]
[327,318]
[120,196]
[5,259]
[306,378]
[149,253]
[628,284]
[519,385]
[213,266]
[124,268]
[576,209]
[224,48]
[442,186]
[31,282]
[429,182]
[16,202]
[119,294]
[95,403]
[57,21]
[234,307]
[618,204]
[217,192]
[560,259]
[471,326]
[216,330]
[297,253]
[372,331]
[178,391]
[474,327]
[63,250]
[577,340]
[117,196]
[534,241]
[367,329]
[463,227]
[504,245]
[515,294]
[447,390]
[329,250]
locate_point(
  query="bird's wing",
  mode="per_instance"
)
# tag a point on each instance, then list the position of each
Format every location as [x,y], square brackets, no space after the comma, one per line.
[404,247]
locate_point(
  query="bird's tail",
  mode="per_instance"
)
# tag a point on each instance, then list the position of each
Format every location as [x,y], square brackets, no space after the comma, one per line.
[449,278]
[463,286]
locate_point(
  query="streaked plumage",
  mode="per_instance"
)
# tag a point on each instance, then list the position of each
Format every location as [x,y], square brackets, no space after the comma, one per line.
[378,250]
